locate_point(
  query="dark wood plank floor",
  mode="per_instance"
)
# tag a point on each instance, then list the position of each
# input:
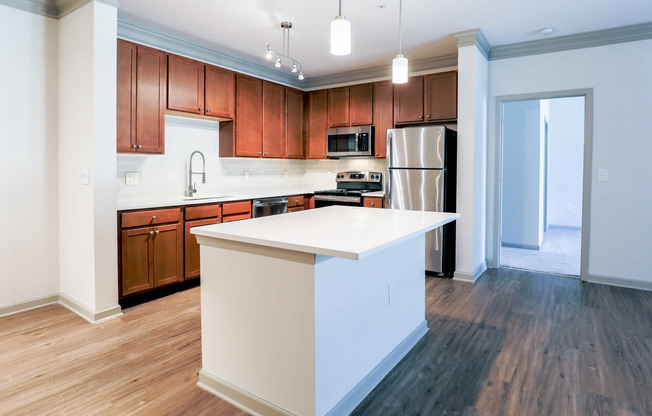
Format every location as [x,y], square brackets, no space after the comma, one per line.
[515,343]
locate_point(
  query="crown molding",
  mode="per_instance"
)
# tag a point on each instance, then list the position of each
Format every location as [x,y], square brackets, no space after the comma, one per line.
[52,8]
[578,41]
[159,40]
[473,37]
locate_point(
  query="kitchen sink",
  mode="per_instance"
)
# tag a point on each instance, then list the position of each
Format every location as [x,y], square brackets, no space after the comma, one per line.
[198,197]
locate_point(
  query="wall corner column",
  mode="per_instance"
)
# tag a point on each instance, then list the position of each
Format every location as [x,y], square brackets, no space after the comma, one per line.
[473,68]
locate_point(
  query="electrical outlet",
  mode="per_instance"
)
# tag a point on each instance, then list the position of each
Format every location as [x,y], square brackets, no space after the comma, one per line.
[603,175]
[285,174]
[392,293]
[246,175]
[569,207]
[85,176]
[132,178]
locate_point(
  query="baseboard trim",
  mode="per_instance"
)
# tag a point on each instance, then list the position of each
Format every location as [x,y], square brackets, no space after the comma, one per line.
[90,316]
[255,405]
[620,282]
[28,305]
[238,397]
[375,376]
[521,246]
[471,277]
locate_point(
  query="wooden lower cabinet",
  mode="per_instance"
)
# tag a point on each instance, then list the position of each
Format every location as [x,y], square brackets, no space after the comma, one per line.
[374,202]
[151,257]
[192,248]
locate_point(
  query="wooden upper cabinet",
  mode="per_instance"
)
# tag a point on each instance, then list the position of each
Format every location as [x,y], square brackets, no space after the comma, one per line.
[441,96]
[350,106]
[220,92]
[338,107]
[361,99]
[141,91]
[185,85]
[150,100]
[249,109]
[126,96]
[317,124]
[383,115]
[273,120]
[408,101]
[294,147]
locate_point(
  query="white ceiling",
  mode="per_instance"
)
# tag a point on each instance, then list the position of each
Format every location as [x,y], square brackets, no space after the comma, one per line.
[243,27]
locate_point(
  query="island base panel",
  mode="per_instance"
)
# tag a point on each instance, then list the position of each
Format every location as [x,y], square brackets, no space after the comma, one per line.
[307,337]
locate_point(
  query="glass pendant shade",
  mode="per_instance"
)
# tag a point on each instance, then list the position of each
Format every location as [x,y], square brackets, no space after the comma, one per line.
[340,36]
[400,69]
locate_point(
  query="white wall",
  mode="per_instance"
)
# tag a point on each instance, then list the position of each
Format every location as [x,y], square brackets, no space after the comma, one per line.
[164,176]
[620,78]
[566,158]
[29,267]
[87,108]
[521,174]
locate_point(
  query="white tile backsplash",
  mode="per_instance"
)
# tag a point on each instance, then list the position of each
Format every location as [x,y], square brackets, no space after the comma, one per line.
[163,176]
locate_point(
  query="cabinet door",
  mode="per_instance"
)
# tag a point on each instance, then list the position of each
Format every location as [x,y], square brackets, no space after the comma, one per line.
[408,101]
[273,120]
[220,92]
[191,257]
[361,104]
[294,147]
[136,260]
[185,85]
[317,124]
[383,115]
[150,100]
[441,96]
[167,254]
[248,117]
[126,96]
[338,107]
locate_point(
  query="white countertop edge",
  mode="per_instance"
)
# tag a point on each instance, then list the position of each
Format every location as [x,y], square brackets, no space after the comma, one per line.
[320,250]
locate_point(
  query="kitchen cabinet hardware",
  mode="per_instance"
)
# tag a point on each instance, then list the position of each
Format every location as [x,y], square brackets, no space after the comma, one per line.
[428,116]
[153,217]
[151,232]
[208,110]
[140,146]
[156,232]
[134,146]
[287,154]
[265,153]
[259,153]
[421,117]
[201,108]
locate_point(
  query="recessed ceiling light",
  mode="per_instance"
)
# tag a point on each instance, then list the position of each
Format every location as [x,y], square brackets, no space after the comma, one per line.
[546,31]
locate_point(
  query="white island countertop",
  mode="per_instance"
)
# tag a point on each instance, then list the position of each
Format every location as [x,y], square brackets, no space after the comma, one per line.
[336,231]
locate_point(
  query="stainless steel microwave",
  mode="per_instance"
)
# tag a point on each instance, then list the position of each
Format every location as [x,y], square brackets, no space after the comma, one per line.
[350,141]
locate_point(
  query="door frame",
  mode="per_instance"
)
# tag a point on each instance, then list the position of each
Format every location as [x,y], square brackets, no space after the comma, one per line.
[587,93]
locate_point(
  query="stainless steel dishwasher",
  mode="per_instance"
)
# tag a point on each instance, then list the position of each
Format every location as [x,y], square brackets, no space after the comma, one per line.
[270,206]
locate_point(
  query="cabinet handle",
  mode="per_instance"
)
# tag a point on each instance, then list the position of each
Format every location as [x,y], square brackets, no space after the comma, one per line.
[346,122]
[296,201]
[288,154]
[376,154]
[151,232]
[153,217]
[134,146]
[208,110]
[353,122]
[421,117]
[265,153]
[373,204]
[140,146]
[259,153]
[428,116]
[201,108]
[156,232]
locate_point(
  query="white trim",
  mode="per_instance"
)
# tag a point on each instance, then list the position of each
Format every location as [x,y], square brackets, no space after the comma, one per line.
[28,305]
[466,277]
[521,246]
[619,282]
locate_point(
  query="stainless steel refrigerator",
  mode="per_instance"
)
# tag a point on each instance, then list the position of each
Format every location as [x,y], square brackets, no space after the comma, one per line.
[421,165]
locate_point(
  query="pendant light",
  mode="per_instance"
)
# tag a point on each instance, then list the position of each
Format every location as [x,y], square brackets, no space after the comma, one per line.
[400,63]
[340,34]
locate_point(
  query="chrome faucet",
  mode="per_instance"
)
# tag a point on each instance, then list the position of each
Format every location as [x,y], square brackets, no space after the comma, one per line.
[192,187]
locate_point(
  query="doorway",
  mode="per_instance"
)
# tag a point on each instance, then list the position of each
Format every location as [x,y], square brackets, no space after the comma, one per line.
[544,190]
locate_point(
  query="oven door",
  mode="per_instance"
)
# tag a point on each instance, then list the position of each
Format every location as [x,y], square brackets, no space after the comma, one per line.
[328,200]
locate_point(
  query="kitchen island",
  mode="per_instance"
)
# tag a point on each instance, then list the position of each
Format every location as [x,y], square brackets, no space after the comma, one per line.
[304,313]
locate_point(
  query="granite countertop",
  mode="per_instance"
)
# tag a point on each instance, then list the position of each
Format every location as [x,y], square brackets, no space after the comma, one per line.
[335,231]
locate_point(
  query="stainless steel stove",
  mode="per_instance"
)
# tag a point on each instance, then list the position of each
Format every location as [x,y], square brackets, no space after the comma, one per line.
[351,186]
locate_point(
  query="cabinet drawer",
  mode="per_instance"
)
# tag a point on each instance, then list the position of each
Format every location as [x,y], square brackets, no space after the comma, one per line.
[236,208]
[158,216]
[204,211]
[236,217]
[373,202]
[295,201]
[295,209]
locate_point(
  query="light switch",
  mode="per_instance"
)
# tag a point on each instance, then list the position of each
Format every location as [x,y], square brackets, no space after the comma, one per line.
[392,293]
[246,175]
[603,175]
[285,174]
[85,176]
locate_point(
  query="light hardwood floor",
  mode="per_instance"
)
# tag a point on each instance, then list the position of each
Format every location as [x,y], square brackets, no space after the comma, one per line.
[515,343]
